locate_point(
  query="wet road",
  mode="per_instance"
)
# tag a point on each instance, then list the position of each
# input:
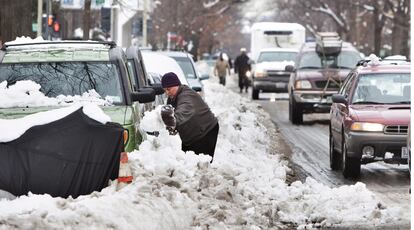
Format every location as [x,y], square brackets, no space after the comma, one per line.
[310,147]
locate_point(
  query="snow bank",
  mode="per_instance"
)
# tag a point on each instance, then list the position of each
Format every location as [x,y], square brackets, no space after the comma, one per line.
[244,188]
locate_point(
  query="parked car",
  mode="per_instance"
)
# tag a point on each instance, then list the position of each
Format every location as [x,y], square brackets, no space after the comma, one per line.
[141,79]
[269,73]
[185,61]
[73,68]
[316,76]
[369,117]
[158,63]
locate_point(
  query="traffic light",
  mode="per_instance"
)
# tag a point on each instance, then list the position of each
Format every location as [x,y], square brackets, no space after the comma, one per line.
[56,27]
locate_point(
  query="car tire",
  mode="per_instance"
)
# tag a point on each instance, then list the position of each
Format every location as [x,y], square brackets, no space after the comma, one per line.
[255,94]
[295,111]
[351,166]
[334,155]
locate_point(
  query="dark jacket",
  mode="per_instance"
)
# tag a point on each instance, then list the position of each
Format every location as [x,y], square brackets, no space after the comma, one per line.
[242,64]
[193,116]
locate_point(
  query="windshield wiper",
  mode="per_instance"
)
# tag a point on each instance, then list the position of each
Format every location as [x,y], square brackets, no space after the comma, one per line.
[368,103]
[344,67]
[399,102]
[309,67]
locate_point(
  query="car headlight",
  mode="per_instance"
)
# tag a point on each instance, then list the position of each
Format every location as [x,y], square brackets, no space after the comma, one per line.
[366,126]
[303,84]
[260,73]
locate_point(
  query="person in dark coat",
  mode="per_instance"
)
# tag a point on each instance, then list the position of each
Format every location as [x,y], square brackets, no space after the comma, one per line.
[241,66]
[188,114]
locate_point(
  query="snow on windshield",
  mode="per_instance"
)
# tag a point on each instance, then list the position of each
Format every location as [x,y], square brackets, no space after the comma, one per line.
[27,94]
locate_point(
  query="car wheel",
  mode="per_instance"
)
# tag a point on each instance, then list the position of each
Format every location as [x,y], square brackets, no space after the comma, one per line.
[351,166]
[334,155]
[255,94]
[295,111]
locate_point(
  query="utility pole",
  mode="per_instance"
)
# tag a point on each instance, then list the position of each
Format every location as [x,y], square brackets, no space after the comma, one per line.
[39,17]
[144,23]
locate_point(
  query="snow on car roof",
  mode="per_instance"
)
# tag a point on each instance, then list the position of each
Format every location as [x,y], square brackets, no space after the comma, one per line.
[279,50]
[158,63]
[277,26]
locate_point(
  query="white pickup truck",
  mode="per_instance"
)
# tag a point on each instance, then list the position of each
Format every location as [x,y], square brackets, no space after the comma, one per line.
[273,46]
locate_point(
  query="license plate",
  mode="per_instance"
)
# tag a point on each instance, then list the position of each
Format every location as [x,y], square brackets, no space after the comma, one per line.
[404,152]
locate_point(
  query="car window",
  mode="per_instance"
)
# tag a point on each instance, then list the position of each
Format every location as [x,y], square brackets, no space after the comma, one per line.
[345,90]
[132,74]
[276,56]
[311,60]
[187,66]
[383,88]
[67,78]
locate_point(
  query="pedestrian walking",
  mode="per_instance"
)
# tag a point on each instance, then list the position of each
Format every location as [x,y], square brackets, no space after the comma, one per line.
[187,114]
[241,66]
[221,68]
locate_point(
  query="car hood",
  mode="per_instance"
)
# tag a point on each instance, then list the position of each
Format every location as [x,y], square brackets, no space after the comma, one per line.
[273,65]
[118,114]
[321,74]
[384,114]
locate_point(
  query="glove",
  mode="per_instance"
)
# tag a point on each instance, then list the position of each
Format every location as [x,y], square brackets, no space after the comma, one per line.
[172,131]
[167,115]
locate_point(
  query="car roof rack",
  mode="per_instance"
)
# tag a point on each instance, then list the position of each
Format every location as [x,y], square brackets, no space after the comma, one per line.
[328,43]
[111,44]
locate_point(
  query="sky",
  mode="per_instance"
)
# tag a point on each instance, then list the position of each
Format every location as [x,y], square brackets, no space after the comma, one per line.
[244,188]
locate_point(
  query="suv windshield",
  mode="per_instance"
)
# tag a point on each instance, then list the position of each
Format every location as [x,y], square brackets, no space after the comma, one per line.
[346,59]
[67,78]
[186,66]
[276,56]
[385,88]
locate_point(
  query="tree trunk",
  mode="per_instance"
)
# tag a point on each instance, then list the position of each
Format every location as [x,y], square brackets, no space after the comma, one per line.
[378,26]
[87,19]
[15,19]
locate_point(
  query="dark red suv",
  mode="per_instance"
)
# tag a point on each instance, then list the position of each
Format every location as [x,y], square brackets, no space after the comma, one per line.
[369,117]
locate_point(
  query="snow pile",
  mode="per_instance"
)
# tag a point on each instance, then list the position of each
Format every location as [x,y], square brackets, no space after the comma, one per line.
[27,94]
[244,188]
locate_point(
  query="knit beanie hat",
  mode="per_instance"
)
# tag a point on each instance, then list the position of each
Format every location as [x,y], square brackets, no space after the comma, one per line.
[169,80]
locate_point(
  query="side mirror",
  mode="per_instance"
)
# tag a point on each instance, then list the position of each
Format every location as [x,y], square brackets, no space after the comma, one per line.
[197,88]
[144,95]
[158,88]
[204,77]
[338,98]
[290,68]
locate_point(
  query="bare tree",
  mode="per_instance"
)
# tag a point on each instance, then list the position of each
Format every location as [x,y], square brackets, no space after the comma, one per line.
[15,19]
[201,22]
[87,19]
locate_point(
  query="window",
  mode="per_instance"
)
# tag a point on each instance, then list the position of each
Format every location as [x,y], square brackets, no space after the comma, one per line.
[345,60]
[383,88]
[276,56]
[67,78]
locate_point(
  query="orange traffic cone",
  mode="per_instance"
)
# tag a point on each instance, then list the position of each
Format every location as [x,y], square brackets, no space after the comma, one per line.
[125,173]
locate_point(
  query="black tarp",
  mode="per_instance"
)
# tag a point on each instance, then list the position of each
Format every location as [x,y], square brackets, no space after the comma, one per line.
[73,156]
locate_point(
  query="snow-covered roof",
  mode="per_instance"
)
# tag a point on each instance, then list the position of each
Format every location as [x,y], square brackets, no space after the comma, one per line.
[275,26]
[159,63]
[279,50]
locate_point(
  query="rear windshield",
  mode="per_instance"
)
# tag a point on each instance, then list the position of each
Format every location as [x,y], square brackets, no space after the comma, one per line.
[187,67]
[345,60]
[383,88]
[67,78]
[276,56]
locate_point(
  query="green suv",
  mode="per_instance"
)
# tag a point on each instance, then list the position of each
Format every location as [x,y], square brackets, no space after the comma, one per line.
[72,68]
